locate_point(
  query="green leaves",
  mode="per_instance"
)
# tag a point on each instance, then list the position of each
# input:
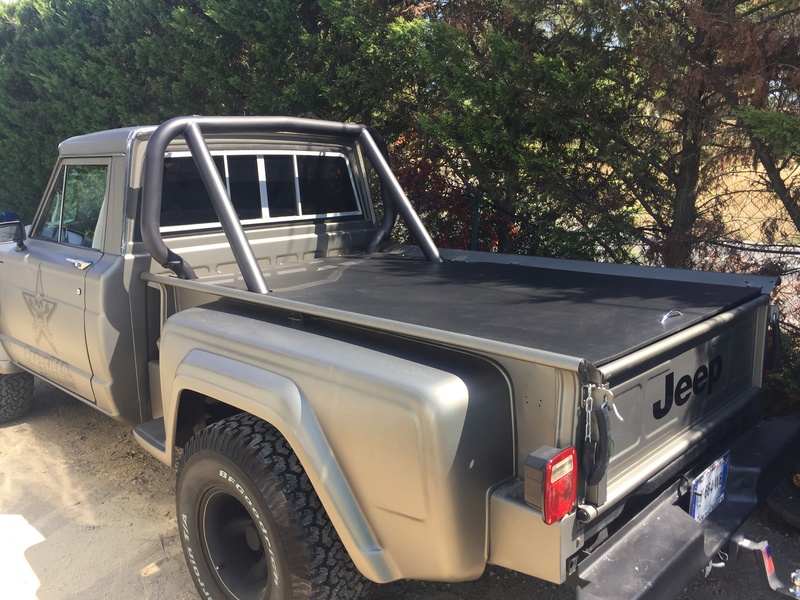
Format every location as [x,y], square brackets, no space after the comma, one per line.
[780,130]
[587,128]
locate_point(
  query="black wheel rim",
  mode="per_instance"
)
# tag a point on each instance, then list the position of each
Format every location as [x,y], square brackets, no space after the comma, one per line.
[233,546]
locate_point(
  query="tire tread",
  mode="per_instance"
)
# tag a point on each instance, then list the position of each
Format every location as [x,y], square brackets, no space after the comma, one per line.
[246,438]
[16,395]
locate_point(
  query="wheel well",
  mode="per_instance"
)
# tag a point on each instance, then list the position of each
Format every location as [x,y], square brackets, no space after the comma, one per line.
[196,412]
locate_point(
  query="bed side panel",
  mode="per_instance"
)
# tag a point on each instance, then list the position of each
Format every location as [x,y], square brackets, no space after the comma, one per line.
[418,445]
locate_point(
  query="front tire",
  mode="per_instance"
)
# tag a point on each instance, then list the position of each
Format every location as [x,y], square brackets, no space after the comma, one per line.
[251,525]
[16,396]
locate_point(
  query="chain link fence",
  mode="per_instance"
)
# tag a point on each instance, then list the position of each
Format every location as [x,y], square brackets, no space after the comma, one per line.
[760,237]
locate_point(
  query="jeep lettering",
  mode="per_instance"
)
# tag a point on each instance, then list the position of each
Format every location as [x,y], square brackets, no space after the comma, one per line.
[703,381]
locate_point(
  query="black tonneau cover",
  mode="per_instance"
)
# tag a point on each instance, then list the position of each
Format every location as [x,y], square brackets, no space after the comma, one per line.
[598,317]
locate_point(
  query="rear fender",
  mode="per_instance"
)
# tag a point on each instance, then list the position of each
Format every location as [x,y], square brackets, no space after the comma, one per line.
[281,403]
[402,440]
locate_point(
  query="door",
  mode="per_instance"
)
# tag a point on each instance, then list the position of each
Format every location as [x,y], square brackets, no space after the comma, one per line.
[42,301]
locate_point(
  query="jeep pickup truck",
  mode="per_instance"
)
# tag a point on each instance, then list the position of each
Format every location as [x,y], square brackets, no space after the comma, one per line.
[345,411]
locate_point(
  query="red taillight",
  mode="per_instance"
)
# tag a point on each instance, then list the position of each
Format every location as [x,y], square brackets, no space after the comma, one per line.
[551,482]
[560,485]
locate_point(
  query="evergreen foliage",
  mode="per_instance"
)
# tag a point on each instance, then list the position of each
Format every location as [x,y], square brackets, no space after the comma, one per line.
[781,131]
[583,128]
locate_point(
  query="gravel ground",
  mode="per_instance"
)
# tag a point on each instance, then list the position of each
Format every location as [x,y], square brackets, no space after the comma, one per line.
[86,514]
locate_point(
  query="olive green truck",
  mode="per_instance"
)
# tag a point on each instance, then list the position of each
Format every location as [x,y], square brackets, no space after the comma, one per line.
[346,411]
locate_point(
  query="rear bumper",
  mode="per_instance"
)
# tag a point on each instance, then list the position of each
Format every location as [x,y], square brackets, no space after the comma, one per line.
[657,553]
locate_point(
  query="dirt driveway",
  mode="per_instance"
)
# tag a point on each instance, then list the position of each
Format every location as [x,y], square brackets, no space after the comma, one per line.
[86,514]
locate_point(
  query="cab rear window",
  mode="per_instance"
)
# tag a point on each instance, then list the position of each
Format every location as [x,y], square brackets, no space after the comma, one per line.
[263,188]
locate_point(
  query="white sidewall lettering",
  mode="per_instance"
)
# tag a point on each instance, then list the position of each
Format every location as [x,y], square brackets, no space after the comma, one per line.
[247,501]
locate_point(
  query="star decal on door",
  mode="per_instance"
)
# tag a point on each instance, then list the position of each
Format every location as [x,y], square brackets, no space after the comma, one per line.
[41,308]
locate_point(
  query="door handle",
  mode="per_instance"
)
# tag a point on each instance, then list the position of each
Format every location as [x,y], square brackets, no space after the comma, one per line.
[80,264]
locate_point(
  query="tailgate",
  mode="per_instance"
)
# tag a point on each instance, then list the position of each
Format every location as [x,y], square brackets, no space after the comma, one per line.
[677,394]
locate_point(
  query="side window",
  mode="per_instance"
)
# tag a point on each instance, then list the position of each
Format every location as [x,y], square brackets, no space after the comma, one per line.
[50,229]
[74,206]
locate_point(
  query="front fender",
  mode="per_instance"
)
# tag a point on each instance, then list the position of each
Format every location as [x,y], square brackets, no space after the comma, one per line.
[6,366]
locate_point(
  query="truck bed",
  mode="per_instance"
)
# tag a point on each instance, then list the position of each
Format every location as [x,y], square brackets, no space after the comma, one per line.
[594,316]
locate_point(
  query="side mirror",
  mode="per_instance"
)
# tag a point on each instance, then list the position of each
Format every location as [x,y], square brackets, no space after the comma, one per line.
[13,232]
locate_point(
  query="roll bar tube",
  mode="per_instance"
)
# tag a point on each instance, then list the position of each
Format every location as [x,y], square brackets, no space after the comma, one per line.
[223,206]
[193,129]
[389,209]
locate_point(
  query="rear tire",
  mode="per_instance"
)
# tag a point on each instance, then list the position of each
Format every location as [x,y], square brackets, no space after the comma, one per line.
[251,525]
[16,396]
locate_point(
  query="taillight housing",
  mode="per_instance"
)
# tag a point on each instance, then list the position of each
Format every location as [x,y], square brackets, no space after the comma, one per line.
[551,481]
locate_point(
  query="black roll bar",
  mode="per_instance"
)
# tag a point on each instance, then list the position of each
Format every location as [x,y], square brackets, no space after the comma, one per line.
[389,209]
[193,129]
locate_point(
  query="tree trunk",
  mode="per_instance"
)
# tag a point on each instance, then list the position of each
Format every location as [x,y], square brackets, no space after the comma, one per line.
[679,239]
[790,201]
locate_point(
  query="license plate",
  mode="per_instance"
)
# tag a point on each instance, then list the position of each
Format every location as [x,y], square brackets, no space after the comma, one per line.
[708,488]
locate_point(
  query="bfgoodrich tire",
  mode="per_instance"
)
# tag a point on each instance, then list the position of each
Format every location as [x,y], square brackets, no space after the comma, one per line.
[251,525]
[16,395]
